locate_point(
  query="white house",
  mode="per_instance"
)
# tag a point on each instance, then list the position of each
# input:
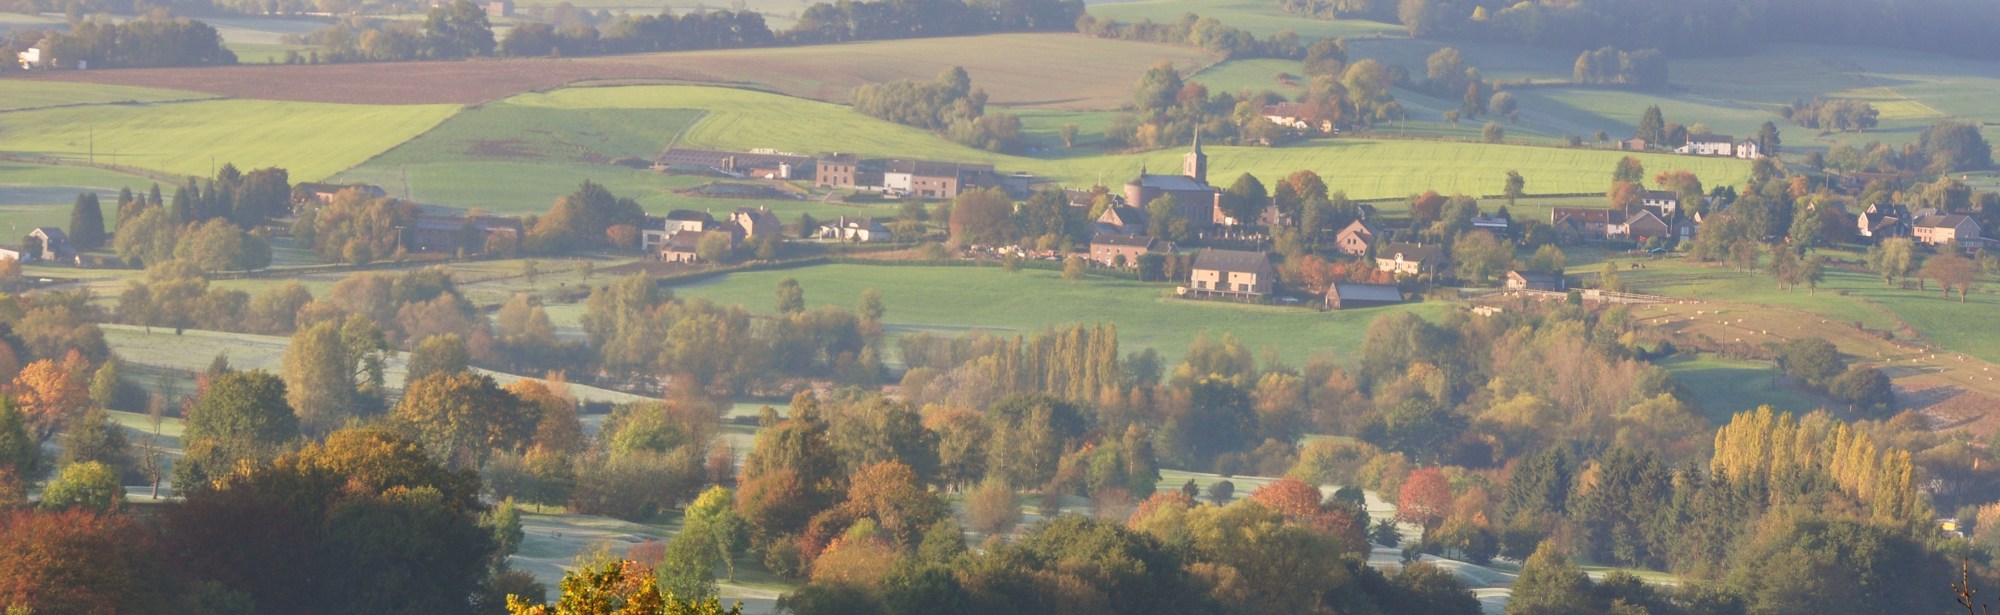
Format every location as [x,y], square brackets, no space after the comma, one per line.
[30,59]
[856,229]
[1708,145]
[1749,150]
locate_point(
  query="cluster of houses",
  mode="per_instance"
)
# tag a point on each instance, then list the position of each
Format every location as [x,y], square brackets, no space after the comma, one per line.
[676,237]
[1703,145]
[46,244]
[1926,226]
[1657,215]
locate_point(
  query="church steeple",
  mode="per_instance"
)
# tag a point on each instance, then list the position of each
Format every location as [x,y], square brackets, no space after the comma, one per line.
[1195,163]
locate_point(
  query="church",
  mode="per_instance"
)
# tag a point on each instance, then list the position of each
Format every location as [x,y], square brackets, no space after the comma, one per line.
[1190,189]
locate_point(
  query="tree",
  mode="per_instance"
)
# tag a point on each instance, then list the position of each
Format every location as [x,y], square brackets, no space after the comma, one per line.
[1245,200]
[1867,391]
[52,394]
[437,354]
[1163,219]
[87,485]
[461,417]
[78,561]
[1547,259]
[791,297]
[18,450]
[1628,171]
[616,588]
[1951,271]
[1893,258]
[1492,133]
[86,223]
[870,308]
[1549,584]
[993,508]
[982,217]
[333,371]
[1767,139]
[1480,256]
[1652,127]
[1813,360]
[1069,135]
[94,438]
[1955,146]
[1516,187]
[242,416]
[1425,498]
[1074,268]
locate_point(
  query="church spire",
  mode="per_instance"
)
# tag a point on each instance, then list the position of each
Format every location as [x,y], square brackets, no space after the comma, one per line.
[1195,163]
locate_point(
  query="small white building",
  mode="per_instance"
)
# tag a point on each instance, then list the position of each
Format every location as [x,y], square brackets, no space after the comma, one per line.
[856,229]
[1708,145]
[30,59]
[1749,150]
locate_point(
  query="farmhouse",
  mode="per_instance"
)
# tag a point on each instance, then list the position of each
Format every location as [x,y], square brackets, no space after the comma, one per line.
[1297,116]
[455,233]
[1529,280]
[55,245]
[304,193]
[1124,219]
[1661,202]
[1356,238]
[1231,274]
[682,247]
[1498,226]
[1585,222]
[1124,250]
[859,229]
[1190,190]
[1634,145]
[1708,145]
[1347,295]
[654,231]
[1936,230]
[1882,221]
[756,222]
[1410,259]
[937,180]
[1749,149]
[1640,224]
[30,59]
[760,165]
[837,171]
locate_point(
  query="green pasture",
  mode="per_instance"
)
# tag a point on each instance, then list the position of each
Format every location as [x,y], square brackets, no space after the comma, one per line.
[19,94]
[312,140]
[1259,17]
[1253,76]
[1724,387]
[957,299]
[1844,297]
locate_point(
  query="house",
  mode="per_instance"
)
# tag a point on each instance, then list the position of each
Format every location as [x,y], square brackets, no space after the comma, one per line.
[1347,295]
[1196,199]
[1585,222]
[1410,259]
[760,165]
[837,171]
[499,8]
[1125,219]
[55,245]
[315,192]
[1882,221]
[30,59]
[1686,227]
[1529,280]
[1708,145]
[1356,238]
[1639,225]
[1124,250]
[654,231]
[1662,203]
[1634,145]
[456,233]
[1749,149]
[858,229]
[936,180]
[1232,274]
[682,247]
[1297,116]
[757,222]
[7,254]
[1939,230]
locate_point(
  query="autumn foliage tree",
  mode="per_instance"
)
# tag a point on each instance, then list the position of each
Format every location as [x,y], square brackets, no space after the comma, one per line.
[1425,498]
[78,561]
[52,393]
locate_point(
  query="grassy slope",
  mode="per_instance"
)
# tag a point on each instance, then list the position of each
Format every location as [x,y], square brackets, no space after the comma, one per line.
[1363,168]
[1724,387]
[952,299]
[312,140]
[41,195]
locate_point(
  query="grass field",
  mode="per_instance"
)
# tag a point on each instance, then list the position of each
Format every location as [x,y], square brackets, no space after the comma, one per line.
[191,137]
[955,299]
[1724,387]
[1256,16]
[1040,70]
[38,94]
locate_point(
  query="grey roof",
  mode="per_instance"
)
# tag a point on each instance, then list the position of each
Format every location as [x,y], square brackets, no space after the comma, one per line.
[54,234]
[1536,277]
[1712,138]
[1661,195]
[684,241]
[925,168]
[1122,239]
[1128,215]
[1172,183]
[1234,260]
[1410,252]
[727,160]
[689,215]
[1366,292]
[1947,221]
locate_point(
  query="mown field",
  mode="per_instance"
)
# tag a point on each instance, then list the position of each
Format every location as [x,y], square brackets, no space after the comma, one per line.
[1723,387]
[957,299]
[312,140]
[17,96]
[1257,16]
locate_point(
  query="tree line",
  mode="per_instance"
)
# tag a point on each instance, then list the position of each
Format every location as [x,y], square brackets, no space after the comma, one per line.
[1198,31]
[139,43]
[1646,68]
[948,104]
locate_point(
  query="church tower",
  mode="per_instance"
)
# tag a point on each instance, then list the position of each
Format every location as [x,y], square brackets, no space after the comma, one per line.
[1195,163]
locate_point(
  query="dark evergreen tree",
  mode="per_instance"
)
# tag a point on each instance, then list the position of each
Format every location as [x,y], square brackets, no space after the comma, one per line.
[86,222]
